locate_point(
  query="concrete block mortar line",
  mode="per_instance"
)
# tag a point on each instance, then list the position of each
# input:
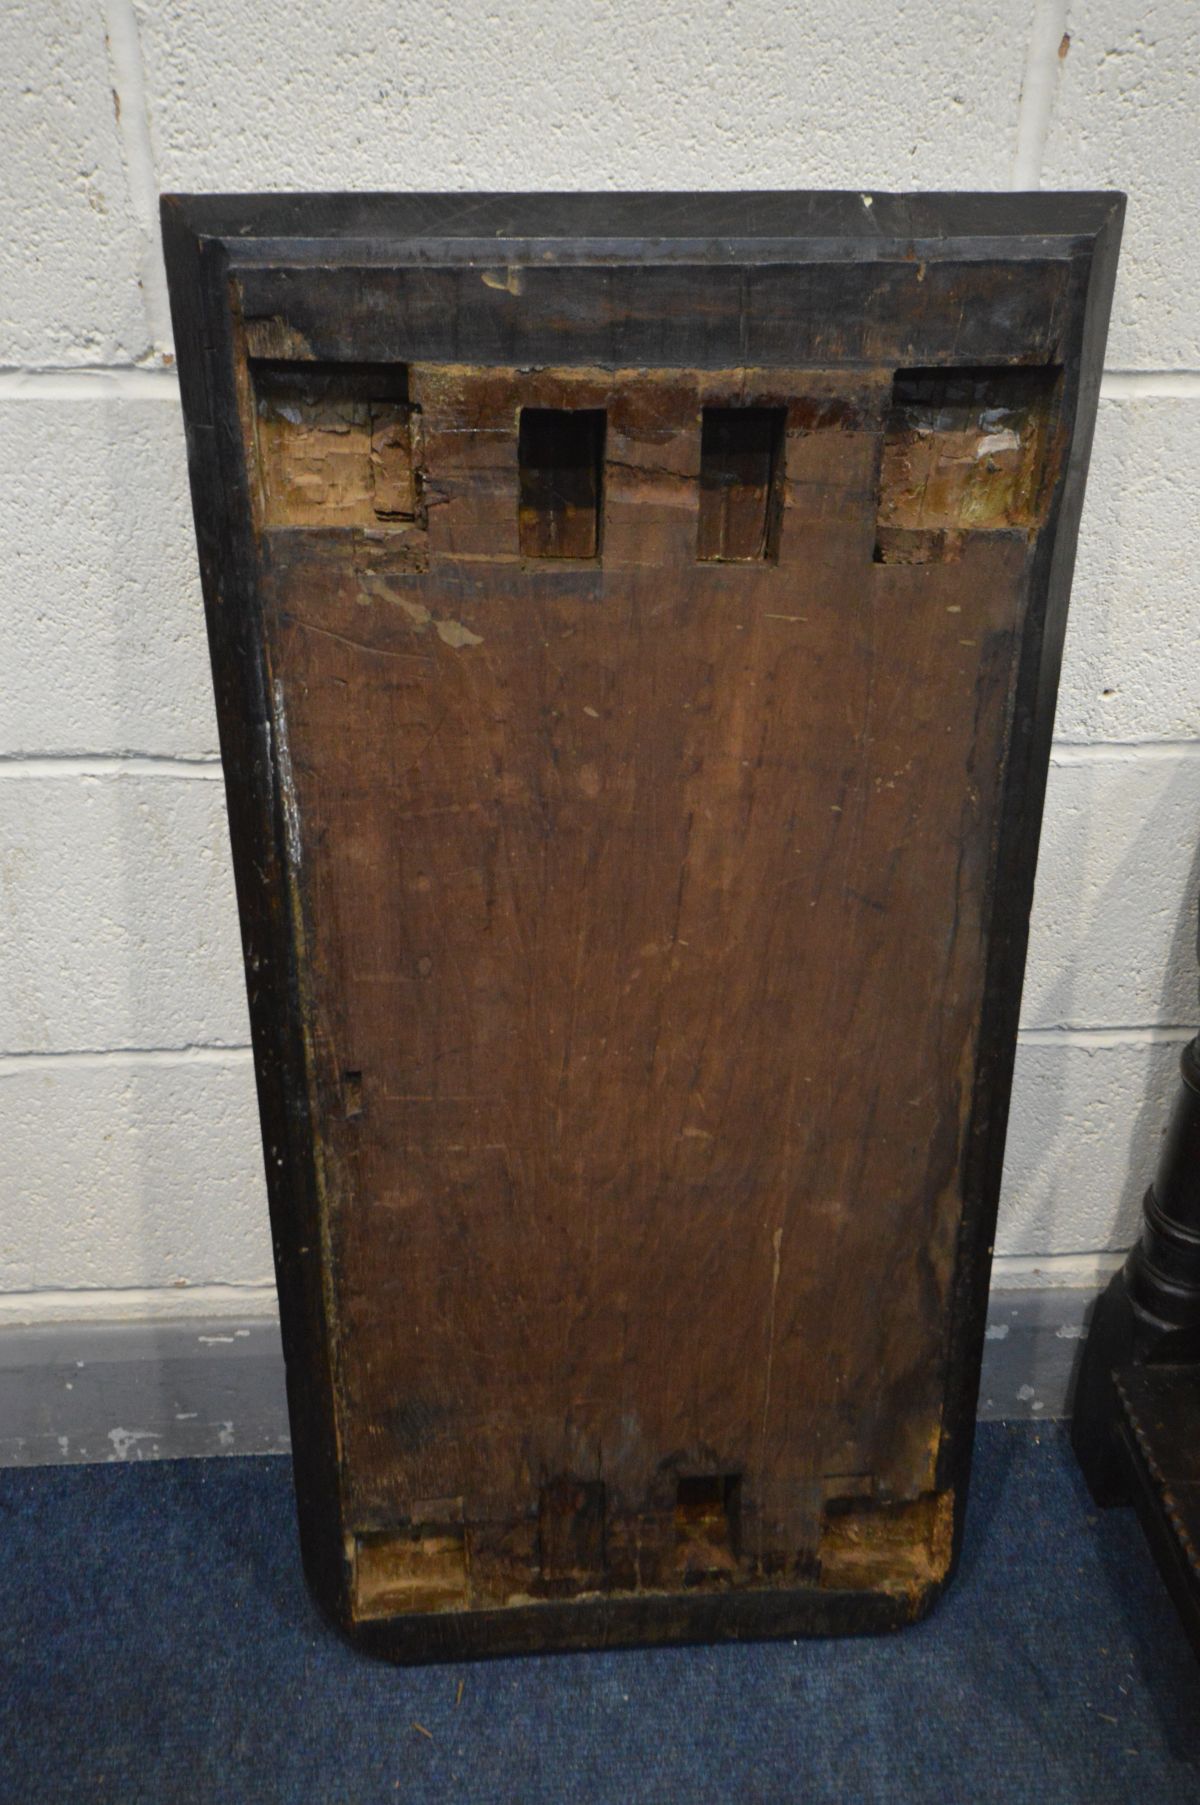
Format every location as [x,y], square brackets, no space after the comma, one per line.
[133,125]
[1100,1040]
[237,1052]
[1150,385]
[1122,752]
[155,382]
[206,767]
[221,1053]
[99,382]
[1039,86]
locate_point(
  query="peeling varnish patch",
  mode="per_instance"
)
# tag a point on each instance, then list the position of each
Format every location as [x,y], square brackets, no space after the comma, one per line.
[996,442]
[451,632]
[416,612]
[287,787]
[125,1442]
[509,281]
[274,338]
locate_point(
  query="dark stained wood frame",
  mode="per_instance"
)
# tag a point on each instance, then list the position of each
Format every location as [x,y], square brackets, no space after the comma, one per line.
[609,280]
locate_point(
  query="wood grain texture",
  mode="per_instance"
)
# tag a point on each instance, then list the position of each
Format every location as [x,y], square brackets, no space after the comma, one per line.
[635,836]
[650,908]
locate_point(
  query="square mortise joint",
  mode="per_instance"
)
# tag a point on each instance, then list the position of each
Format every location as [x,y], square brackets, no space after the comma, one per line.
[422,1568]
[571,1531]
[708,1525]
[872,1544]
[335,443]
[741,483]
[964,451]
[560,453]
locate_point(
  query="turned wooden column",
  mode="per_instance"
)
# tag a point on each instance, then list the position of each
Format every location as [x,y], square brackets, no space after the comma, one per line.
[1150,1313]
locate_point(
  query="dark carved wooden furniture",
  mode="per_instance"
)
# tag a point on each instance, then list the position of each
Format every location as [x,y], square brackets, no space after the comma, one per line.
[1136,1424]
[635,623]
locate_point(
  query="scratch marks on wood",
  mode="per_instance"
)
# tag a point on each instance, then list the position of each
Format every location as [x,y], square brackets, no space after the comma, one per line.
[451,632]
[287,786]
[777,1259]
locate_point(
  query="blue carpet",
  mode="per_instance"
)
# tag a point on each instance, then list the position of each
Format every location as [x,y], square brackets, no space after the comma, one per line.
[157,1643]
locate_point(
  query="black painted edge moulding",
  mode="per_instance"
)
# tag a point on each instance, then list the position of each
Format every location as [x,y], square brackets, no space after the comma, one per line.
[609,280]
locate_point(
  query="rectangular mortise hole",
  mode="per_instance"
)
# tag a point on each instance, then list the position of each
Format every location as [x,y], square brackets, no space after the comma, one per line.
[708,1524]
[561,456]
[352,1095]
[741,483]
[571,1530]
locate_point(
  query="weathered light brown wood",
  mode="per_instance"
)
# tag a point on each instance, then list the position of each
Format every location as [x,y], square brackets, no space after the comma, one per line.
[965,451]
[332,448]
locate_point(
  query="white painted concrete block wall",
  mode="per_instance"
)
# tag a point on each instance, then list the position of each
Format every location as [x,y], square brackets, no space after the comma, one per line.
[131,1177]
